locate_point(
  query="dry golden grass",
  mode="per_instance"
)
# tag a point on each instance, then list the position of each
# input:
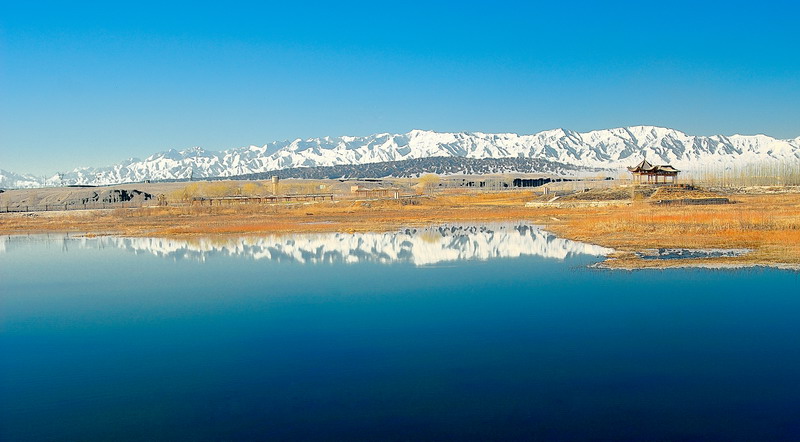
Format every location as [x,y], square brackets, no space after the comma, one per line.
[768,224]
[345,215]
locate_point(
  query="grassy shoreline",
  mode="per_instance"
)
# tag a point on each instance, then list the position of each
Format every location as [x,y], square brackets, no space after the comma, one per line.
[767,224]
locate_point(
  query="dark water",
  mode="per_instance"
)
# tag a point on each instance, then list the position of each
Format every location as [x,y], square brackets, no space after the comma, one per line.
[498,333]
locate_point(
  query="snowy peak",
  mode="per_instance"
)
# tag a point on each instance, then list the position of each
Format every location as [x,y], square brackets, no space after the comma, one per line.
[609,148]
[14,180]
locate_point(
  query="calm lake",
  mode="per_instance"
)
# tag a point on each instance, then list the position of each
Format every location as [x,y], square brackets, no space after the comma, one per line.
[443,333]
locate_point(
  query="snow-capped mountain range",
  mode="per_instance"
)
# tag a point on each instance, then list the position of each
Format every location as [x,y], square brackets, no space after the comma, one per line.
[609,149]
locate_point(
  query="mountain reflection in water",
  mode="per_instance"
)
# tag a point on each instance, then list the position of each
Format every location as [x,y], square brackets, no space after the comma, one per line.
[418,246]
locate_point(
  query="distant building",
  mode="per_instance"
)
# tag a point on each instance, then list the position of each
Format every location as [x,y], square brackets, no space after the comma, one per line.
[490,182]
[668,174]
[505,181]
[375,192]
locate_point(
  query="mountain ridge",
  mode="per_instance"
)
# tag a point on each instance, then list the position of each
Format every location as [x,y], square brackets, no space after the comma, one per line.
[599,149]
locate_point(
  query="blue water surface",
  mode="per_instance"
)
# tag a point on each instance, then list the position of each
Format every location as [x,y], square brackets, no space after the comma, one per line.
[103,339]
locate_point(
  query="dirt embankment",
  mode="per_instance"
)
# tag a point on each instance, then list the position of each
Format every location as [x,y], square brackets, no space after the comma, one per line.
[71,198]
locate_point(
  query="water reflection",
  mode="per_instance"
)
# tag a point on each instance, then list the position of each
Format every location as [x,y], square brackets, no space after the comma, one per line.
[423,246]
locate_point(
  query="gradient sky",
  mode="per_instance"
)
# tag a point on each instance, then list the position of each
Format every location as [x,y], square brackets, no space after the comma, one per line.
[90,84]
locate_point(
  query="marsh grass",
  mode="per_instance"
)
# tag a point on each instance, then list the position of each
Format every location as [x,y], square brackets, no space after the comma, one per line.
[768,224]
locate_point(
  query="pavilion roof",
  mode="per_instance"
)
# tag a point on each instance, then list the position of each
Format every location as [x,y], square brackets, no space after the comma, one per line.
[666,168]
[641,167]
[645,167]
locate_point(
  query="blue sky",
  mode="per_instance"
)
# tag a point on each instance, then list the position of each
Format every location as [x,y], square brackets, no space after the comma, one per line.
[91,84]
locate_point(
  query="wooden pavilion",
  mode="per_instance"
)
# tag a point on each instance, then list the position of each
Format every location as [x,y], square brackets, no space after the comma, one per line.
[667,173]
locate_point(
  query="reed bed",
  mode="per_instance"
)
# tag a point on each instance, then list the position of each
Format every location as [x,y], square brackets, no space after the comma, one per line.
[768,224]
